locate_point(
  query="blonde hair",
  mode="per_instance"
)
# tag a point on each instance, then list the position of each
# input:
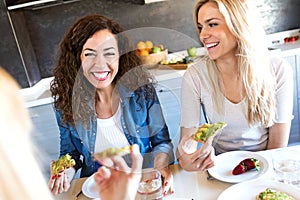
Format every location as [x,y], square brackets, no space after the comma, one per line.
[20,175]
[253,60]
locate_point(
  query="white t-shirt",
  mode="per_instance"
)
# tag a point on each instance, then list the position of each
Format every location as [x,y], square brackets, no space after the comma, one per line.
[110,133]
[238,135]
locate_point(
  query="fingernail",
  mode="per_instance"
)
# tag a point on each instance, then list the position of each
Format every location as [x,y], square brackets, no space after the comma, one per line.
[172,191]
[53,177]
[59,175]
[165,193]
[166,183]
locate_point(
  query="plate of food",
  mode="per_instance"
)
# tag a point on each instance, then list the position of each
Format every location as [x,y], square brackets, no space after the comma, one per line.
[90,188]
[239,166]
[260,190]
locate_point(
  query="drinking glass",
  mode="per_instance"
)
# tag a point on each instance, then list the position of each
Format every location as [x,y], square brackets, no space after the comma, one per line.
[286,165]
[150,187]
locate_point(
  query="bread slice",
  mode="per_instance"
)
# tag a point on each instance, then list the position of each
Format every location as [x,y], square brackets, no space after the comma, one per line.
[208,130]
[110,152]
[273,194]
[64,162]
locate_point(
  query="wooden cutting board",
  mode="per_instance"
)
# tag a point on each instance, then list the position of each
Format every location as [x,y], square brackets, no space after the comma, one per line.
[174,66]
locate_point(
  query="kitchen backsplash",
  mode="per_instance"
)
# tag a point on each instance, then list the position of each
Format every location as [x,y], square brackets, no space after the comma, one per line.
[29,50]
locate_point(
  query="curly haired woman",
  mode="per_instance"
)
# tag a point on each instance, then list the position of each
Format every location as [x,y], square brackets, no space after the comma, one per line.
[104,99]
[237,82]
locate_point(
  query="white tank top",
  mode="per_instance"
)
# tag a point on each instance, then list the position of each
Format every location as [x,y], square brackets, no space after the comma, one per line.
[110,133]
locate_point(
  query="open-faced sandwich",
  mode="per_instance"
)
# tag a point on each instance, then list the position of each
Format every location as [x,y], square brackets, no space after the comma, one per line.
[207,130]
[64,162]
[273,194]
[113,152]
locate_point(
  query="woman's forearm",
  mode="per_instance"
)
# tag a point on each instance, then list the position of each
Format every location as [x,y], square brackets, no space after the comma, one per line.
[161,160]
[279,135]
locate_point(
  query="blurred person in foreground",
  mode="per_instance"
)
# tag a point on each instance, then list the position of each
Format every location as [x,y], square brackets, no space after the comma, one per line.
[18,163]
[238,82]
[103,99]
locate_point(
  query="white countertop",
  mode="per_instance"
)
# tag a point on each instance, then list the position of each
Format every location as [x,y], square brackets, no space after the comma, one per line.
[289,49]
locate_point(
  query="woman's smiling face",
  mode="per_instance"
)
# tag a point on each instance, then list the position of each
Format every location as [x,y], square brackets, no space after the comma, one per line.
[100,59]
[214,32]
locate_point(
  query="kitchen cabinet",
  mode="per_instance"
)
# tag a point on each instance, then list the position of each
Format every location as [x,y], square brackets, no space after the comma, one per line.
[297,72]
[168,92]
[294,61]
[45,135]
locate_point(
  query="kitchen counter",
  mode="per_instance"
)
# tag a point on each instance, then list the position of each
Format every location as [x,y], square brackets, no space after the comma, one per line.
[288,49]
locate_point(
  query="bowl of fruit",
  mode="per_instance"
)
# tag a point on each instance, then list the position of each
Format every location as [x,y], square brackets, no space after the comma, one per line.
[151,54]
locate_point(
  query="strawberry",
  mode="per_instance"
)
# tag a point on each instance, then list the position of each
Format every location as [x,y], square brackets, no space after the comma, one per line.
[286,40]
[239,169]
[292,39]
[251,163]
[246,165]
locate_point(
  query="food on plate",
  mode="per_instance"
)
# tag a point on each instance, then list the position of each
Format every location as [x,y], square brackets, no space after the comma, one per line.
[174,60]
[64,162]
[246,165]
[113,152]
[207,130]
[273,194]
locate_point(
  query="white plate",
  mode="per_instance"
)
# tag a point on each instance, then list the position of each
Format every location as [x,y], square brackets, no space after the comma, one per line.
[225,163]
[250,189]
[90,189]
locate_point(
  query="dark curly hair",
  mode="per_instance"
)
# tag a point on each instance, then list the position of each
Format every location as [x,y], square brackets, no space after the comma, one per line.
[71,91]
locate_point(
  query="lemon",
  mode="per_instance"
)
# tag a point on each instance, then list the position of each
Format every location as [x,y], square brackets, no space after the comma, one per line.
[149,45]
[141,45]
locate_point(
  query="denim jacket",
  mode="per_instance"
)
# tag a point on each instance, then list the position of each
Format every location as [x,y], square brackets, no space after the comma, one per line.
[142,122]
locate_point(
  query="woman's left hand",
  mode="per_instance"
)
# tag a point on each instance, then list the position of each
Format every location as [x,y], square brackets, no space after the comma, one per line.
[168,187]
[161,162]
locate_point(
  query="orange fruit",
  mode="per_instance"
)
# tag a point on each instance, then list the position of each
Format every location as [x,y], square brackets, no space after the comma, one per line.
[144,52]
[141,45]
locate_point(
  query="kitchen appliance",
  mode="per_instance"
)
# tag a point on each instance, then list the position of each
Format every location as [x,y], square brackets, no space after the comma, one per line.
[281,37]
[17,4]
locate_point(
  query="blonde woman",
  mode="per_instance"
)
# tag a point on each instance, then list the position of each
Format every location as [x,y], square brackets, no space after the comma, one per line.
[18,164]
[237,82]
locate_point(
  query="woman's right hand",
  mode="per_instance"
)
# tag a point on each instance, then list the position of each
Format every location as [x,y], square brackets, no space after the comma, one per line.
[197,159]
[116,180]
[62,181]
